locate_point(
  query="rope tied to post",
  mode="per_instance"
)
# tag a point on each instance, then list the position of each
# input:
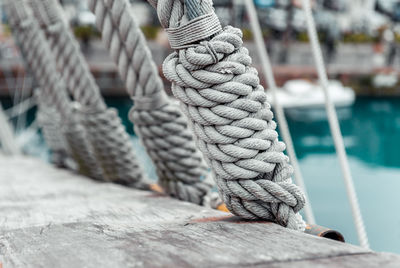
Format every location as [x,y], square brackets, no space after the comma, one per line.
[221,94]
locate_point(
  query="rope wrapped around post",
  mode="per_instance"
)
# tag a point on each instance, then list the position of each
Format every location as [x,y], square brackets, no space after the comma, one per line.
[34,48]
[111,144]
[221,94]
[158,121]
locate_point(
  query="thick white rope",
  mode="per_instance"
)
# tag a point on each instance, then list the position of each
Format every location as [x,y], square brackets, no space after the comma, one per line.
[36,52]
[159,123]
[51,129]
[21,23]
[70,61]
[280,114]
[34,47]
[221,94]
[334,125]
[111,144]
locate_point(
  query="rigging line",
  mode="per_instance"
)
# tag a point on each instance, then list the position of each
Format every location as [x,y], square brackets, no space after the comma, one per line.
[7,138]
[16,93]
[280,114]
[18,96]
[21,107]
[334,126]
[29,133]
[21,118]
[10,85]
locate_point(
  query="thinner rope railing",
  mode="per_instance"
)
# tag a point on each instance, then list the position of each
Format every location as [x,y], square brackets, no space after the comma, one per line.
[221,94]
[334,125]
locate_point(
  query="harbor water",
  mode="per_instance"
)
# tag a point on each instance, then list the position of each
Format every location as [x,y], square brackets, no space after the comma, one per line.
[371,131]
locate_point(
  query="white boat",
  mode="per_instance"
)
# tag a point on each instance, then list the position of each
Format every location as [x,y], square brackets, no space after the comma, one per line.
[305,94]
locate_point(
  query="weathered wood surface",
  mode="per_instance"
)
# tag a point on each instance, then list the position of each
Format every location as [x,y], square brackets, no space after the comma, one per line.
[53,218]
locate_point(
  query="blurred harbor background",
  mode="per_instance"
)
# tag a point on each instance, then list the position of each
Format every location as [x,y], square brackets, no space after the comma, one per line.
[361,42]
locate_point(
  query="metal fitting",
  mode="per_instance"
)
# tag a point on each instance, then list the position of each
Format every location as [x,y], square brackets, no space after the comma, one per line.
[321,231]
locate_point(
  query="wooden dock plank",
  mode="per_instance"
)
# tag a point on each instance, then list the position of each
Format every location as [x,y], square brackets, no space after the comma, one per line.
[54,218]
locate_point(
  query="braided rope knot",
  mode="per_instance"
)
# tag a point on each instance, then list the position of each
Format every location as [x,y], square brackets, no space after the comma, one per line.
[235,129]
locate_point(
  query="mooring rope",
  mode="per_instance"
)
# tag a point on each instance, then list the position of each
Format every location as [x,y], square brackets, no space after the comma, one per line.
[111,144]
[33,45]
[34,48]
[280,114]
[69,59]
[221,94]
[159,123]
[334,125]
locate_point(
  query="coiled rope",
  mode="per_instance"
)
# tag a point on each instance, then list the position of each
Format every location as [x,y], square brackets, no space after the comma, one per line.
[221,94]
[111,144]
[159,123]
[334,126]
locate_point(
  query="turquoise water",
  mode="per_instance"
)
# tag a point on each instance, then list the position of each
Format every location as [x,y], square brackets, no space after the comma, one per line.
[371,130]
